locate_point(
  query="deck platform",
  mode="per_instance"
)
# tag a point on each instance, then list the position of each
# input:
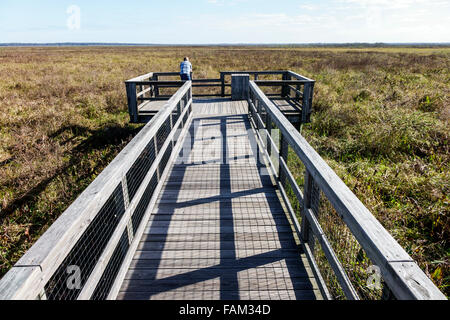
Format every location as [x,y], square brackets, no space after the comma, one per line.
[219,229]
[290,108]
[287,106]
[152,107]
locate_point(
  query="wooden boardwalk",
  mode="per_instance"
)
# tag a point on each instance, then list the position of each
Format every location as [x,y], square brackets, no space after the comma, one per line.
[188,210]
[219,229]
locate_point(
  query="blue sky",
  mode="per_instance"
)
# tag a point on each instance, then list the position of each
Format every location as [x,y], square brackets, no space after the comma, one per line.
[225,21]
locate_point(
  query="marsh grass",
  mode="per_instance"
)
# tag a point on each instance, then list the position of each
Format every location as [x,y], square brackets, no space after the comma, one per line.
[380,121]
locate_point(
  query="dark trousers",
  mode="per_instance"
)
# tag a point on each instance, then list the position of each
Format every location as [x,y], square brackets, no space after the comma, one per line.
[185,77]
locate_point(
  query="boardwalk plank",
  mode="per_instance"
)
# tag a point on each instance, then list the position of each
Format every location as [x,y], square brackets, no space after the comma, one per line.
[216,245]
[215,295]
[259,272]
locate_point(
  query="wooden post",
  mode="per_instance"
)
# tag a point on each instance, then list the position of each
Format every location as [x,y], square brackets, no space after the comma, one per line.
[155,78]
[258,111]
[222,83]
[269,133]
[132,101]
[311,200]
[284,151]
[239,86]
[141,88]
[305,229]
[285,89]
[307,102]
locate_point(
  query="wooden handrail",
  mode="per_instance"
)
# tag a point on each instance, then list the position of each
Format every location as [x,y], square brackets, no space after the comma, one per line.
[399,271]
[279,82]
[147,88]
[279,72]
[142,78]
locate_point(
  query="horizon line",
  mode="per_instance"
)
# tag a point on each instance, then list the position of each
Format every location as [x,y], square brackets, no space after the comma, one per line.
[25,44]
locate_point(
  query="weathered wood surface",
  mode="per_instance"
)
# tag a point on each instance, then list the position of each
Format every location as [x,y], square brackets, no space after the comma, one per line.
[287,106]
[152,107]
[219,230]
[239,86]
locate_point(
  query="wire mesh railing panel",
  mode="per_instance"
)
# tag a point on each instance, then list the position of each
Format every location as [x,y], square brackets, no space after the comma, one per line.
[263,114]
[326,271]
[177,134]
[186,117]
[357,265]
[69,279]
[165,159]
[297,170]
[140,168]
[139,212]
[176,112]
[162,134]
[109,275]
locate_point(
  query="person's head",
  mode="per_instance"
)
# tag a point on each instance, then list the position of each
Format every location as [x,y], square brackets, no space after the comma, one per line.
[186,59]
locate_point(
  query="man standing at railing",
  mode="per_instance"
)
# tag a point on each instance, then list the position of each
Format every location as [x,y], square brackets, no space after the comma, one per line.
[185,70]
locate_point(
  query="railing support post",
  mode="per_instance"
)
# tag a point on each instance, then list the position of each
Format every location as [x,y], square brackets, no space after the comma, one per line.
[222,84]
[284,151]
[156,88]
[132,101]
[239,86]
[269,133]
[307,102]
[305,228]
[285,91]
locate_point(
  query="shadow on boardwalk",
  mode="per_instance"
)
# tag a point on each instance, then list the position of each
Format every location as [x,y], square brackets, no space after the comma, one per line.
[218,245]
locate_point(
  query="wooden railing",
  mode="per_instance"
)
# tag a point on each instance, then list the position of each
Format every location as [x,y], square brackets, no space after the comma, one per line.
[86,252]
[288,85]
[344,242]
[297,88]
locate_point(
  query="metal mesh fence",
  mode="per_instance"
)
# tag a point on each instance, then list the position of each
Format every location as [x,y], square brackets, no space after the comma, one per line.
[185,119]
[176,112]
[177,134]
[351,255]
[139,212]
[297,169]
[140,168]
[109,275]
[162,134]
[165,159]
[68,281]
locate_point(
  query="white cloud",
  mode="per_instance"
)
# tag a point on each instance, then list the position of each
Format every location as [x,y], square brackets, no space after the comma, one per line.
[309,6]
[336,21]
[224,2]
[394,4]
